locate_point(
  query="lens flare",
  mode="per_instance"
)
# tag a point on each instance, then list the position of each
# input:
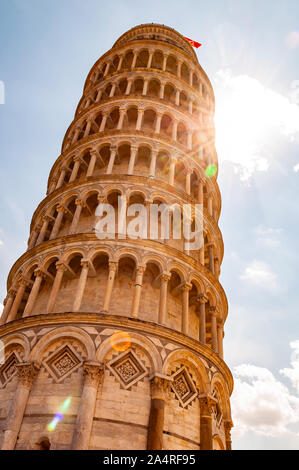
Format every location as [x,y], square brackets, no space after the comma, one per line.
[59,415]
[120,341]
[211,170]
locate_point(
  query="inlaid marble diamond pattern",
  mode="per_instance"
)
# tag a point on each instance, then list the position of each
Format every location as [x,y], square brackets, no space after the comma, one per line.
[183,387]
[62,363]
[127,369]
[8,369]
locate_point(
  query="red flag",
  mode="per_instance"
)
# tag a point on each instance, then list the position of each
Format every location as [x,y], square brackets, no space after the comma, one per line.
[193,43]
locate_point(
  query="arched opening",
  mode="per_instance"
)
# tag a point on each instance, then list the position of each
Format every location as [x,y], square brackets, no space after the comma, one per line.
[149,118]
[121,162]
[169,93]
[166,125]
[157,60]
[149,301]
[113,119]
[153,89]
[142,162]
[142,59]
[171,64]
[124,282]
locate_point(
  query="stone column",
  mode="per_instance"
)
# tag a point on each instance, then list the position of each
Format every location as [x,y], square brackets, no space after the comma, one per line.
[200,192]
[145,85]
[134,60]
[188,182]
[137,291]
[211,257]
[93,375]
[206,435]
[150,58]
[191,77]
[113,151]
[42,233]
[202,319]
[158,123]
[129,86]
[162,88]
[92,162]
[165,57]
[152,170]
[81,285]
[210,205]
[76,134]
[58,220]
[77,161]
[107,69]
[220,339]
[18,299]
[79,206]
[33,237]
[60,270]
[39,276]
[228,424]
[174,130]
[109,287]
[122,113]
[112,91]
[185,307]
[120,63]
[189,140]
[165,277]
[177,97]
[139,119]
[87,128]
[7,305]
[171,170]
[132,159]
[26,373]
[190,106]
[160,388]
[99,95]
[61,177]
[103,122]
[214,328]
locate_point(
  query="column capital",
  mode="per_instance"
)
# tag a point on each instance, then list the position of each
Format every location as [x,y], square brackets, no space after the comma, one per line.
[113,266]
[165,276]
[79,202]
[27,371]
[101,199]
[206,403]
[186,286]
[93,372]
[202,299]
[60,266]
[140,269]
[61,208]
[160,386]
[38,272]
[213,310]
[85,263]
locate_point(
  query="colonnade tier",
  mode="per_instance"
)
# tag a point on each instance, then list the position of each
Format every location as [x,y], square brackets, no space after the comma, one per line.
[56,280]
[119,152]
[166,60]
[146,83]
[146,115]
[72,211]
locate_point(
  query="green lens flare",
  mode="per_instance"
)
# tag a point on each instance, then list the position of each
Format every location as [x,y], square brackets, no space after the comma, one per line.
[211,170]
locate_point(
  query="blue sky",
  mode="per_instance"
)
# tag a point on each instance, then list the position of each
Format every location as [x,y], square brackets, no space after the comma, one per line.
[250,52]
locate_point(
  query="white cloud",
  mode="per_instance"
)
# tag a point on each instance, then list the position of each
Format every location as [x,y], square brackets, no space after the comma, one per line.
[268,236]
[1,242]
[263,404]
[248,116]
[259,273]
[296,167]
[293,372]
[1,308]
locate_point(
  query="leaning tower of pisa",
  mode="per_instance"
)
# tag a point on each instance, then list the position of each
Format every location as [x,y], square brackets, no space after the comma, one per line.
[117,343]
